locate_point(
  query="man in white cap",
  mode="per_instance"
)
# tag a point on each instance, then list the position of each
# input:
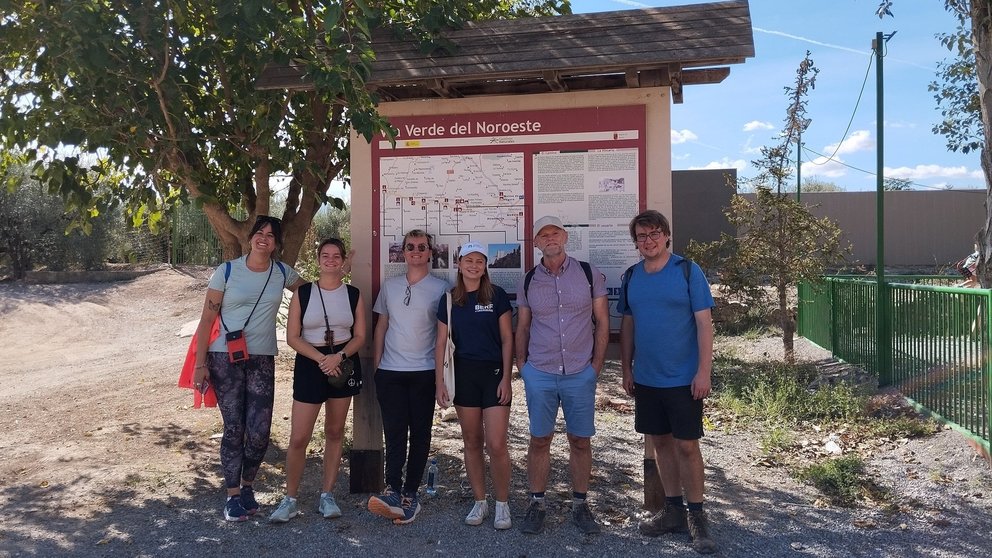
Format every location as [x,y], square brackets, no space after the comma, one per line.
[561,337]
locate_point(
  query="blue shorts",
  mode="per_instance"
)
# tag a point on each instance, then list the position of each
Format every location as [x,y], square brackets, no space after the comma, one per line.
[575,393]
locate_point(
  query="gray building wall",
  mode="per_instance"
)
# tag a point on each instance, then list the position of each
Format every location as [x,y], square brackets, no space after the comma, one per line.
[698,201]
[922,227]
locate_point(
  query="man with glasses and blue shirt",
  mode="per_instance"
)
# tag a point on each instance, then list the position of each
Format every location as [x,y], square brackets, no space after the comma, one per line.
[562,332]
[666,355]
[403,360]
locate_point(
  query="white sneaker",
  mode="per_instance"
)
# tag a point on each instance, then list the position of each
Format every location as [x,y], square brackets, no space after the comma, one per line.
[479,513]
[502,519]
[287,510]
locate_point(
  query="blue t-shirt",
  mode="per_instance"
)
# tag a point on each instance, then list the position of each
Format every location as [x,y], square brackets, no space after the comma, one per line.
[476,327]
[663,306]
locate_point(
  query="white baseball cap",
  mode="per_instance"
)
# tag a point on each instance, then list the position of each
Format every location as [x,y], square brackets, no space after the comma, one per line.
[547,220]
[470,247]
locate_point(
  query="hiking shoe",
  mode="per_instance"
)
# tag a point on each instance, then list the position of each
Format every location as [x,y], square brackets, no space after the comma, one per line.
[388,504]
[233,510]
[287,510]
[411,507]
[534,520]
[328,507]
[583,519]
[699,532]
[502,519]
[669,520]
[248,501]
[478,514]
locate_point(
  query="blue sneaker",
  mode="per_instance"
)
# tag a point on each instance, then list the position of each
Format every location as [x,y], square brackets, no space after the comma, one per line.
[411,507]
[248,501]
[388,504]
[233,511]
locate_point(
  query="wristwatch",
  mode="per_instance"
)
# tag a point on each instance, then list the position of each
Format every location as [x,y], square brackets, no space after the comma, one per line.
[344,355]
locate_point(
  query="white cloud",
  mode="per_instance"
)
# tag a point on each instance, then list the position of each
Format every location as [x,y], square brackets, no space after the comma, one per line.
[899,124]
[748,149]
[682,136]
[859,140]
[821,166]
[922,172]
[725,163]
[757,125]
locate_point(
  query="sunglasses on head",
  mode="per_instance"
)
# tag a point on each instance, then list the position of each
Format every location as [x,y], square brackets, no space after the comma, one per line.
[417,247]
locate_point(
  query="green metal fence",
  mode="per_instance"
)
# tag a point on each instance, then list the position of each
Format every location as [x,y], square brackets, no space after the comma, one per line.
[938,345]
[192,240]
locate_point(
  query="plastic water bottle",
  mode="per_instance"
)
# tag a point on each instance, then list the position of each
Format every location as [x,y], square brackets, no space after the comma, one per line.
[432,477]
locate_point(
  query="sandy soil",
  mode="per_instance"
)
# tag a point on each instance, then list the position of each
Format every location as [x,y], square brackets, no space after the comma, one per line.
[103,456]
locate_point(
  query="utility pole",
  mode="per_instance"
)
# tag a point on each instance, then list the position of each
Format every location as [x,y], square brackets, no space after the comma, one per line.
[883,341]
[799,165]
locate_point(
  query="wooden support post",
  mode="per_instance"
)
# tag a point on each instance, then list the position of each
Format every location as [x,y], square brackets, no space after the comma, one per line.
[654,493]
[365,458]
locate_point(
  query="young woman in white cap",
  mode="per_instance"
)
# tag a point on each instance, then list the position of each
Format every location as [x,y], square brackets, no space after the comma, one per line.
[483,336]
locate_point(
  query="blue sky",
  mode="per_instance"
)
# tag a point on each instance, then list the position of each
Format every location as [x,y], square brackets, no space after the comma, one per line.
[724,125]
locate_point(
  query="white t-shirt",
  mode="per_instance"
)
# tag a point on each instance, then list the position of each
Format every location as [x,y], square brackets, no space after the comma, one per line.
[241,290]
[412,329]
[338,309]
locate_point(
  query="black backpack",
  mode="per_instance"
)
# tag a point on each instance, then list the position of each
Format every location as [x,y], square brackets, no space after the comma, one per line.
[586,268]
[306,290]
[686,270]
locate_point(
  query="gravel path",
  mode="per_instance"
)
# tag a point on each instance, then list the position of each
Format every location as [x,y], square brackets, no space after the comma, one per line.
[136,474]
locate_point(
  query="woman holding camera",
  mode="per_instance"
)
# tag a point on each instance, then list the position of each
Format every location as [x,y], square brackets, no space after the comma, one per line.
[326,326]
[245,295]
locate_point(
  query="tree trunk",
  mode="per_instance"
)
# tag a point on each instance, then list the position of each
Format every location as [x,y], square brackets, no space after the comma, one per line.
[981,24]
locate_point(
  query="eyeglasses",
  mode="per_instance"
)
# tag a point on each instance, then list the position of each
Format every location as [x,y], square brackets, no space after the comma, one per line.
[653,235]
[406,299]
[417,247]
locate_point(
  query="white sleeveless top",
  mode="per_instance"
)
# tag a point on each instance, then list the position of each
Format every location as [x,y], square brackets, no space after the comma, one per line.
[339,316]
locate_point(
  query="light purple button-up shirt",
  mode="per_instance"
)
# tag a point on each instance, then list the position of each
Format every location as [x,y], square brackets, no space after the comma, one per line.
[561,327]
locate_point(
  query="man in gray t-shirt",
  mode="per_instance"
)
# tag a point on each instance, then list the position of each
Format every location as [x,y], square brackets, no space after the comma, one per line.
[403,355]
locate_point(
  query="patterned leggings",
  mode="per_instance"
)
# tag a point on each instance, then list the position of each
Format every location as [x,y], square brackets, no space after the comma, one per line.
[245,393]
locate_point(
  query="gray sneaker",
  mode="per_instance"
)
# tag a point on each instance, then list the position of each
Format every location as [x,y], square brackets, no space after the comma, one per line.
[669,520]
[287,510]
[328,507]
[699,531]
[534,520]
[583,519]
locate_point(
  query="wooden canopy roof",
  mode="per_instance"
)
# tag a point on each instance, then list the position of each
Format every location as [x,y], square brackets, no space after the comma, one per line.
[672,46]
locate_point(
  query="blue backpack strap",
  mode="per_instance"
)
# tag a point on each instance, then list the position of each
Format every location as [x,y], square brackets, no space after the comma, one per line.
[227,271]
[282,268]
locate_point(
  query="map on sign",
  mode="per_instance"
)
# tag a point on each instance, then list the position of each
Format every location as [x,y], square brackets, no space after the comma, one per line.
[457,198]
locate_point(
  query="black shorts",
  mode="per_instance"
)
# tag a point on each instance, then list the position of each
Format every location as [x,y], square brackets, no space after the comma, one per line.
[476,382]
[310,384]
[660,411]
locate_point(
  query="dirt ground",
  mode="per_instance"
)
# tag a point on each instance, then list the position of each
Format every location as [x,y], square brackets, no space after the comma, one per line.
[104,456]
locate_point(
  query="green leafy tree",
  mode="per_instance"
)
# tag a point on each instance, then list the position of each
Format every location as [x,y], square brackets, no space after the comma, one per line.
[778,240]
[163,94]
[897,184]
[963,95]
[814,184]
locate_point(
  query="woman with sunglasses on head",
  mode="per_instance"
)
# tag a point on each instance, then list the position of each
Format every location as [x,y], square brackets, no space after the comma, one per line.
[245,293]
[481,326]
[326,327]
[403,356]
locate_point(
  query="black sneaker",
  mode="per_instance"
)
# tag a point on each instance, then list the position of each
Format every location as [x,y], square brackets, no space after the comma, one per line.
[233,511]
[699,532]
[669,520]
[534,520]
[583,519]
[248,501]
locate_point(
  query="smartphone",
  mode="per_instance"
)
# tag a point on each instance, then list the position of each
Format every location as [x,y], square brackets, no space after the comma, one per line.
[204,386]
